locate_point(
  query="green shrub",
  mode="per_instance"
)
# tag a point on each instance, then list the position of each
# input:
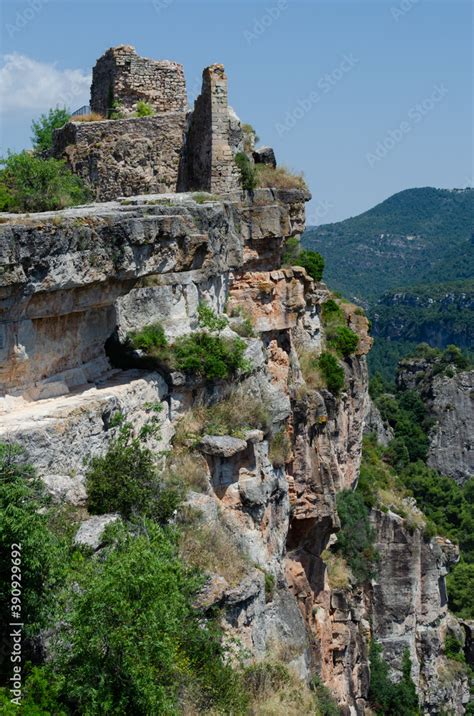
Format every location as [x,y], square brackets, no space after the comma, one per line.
[126,480]
[291,251]
[29,183]
[131,640]
[355,540]
[210,356]
[144,109]
[116,110]
[209,319]
[331,311]
[343,340]
[386,697]
[325,703]
[250,137]
[24,521]
[40,694]
[313,263]
[44,127]
[149,338]
[460,585]
[332,372]
[453,649]
[248,177]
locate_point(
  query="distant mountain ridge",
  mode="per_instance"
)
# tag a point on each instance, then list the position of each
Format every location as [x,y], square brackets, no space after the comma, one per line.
[416,236]
[410,262]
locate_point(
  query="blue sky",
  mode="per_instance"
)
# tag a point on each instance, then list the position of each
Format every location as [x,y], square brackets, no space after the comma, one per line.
[366,97]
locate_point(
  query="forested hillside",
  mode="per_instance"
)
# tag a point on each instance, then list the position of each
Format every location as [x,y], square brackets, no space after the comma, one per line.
[410,262]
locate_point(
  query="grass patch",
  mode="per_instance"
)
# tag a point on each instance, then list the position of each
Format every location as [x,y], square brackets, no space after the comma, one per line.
[188,467]
[278,178]
[235,416]
[280,448]
[338,571]
[211,548]
[90,117]
[201,197]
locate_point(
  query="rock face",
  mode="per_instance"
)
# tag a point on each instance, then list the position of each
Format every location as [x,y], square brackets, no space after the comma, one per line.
[408,606]
[449,394]
[452,438]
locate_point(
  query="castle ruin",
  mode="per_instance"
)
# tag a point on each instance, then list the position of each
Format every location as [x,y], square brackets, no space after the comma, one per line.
[173,149]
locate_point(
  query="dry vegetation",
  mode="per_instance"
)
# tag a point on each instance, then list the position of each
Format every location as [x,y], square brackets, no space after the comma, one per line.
[210,547]
[91,117]
[278,178]
[338,571]
[234,415]
[190,467]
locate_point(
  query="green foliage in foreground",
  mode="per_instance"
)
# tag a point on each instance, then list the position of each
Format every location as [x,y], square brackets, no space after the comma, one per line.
[386,697]
[356,538]
[29,184]
[332,372]
[132,641]
[39,560]
[44,127]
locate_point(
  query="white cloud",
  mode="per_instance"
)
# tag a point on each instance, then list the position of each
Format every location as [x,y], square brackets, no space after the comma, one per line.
[26,84]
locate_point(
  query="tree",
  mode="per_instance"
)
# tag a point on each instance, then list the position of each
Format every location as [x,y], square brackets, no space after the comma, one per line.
[132,641]
[43,127]
[356,537]
[26,546]
[389,698]
[29,183]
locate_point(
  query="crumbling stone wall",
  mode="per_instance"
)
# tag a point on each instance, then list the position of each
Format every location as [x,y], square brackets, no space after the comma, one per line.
[123,76]
[170,151]
[209,159]
[125,156]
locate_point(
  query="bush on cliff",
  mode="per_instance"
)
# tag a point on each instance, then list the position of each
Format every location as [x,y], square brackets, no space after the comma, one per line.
[343,340]
[248,176]
[44,127]
[126,480]
[204,353]
[332,372]
[144,109]
[355,540]
[312,261]
[389,698]
[29,184]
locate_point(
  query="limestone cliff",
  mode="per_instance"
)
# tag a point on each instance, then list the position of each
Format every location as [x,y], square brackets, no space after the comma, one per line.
[76,282]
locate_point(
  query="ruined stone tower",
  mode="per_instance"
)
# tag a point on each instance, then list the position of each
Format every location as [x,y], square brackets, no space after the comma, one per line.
[122,76]
[172,150]
[209,157]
